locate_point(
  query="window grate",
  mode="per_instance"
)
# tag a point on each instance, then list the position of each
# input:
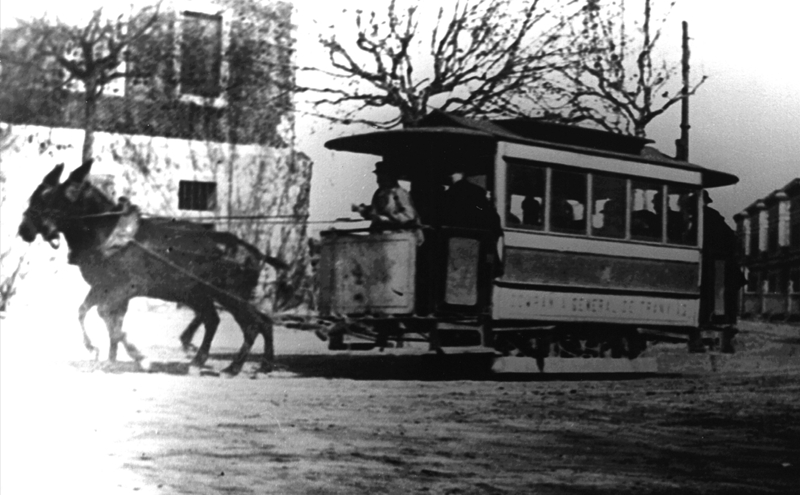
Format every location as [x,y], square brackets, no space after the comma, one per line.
[197,196]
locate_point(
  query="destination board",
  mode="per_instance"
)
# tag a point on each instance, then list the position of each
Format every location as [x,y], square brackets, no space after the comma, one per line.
[521,304]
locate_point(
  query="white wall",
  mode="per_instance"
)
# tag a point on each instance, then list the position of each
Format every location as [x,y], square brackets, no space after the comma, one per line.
[145,169]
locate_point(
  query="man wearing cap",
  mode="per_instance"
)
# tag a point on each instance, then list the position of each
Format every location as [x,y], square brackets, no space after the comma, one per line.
[391,204]
[719,245]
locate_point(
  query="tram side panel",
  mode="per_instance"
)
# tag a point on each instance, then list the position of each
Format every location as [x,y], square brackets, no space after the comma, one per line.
[367,273]
[614,288]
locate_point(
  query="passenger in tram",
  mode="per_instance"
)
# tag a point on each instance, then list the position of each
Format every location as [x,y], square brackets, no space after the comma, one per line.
[613,219]
[563,217]
[646,223]
[512,219]
[676,224]
[391,206]
[531,211]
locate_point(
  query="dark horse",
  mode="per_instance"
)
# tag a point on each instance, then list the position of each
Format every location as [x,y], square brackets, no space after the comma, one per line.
[122,256]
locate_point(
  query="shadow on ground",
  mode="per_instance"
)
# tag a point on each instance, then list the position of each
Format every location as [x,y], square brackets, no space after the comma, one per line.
[475,367]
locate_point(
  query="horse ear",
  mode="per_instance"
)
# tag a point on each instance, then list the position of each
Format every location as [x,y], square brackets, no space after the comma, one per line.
[80,173]
[75,181]
[53,177]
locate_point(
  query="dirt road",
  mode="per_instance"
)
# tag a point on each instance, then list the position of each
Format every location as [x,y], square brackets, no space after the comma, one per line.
[374,423]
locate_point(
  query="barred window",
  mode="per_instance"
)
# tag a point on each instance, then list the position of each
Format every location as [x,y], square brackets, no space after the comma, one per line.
[197,196]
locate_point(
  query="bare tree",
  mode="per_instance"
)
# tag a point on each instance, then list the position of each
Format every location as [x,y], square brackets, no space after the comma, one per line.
[621,87]
[479,59]
[11,263]
[92,54]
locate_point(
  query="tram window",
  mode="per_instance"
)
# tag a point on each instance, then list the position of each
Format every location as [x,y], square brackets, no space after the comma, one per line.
[608,200]
[681,215]
[525,196]
[568,202]
[646,211]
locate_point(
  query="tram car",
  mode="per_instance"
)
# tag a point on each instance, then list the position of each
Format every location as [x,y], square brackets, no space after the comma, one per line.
[600,249]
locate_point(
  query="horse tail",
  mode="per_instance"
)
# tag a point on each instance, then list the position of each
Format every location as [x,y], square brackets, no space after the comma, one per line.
[274,262]
[230,238]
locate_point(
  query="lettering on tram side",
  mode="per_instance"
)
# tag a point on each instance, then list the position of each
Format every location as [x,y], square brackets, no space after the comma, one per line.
[528,304]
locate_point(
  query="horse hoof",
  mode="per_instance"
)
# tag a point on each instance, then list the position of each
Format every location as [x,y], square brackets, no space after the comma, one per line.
[230,371]
[198,362]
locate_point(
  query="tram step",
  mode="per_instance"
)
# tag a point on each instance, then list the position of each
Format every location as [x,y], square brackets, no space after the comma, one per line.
[509,364]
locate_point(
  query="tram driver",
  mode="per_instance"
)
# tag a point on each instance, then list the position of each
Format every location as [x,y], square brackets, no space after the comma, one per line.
[391,206]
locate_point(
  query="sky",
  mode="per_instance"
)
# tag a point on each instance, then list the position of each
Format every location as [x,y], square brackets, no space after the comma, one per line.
[744,120]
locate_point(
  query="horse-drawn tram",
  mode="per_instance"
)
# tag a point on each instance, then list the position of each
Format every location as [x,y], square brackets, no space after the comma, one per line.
[597,248]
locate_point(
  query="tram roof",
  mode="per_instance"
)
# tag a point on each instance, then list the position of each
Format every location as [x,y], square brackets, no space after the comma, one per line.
[446,138]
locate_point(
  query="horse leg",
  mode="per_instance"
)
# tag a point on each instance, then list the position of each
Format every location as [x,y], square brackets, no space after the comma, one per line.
[207,312]
[188,334]
[268,359]
[88,303]
[249,321]
[114,314]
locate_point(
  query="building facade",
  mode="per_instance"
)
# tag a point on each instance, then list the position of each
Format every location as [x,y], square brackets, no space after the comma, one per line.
[769,235]
[202,126]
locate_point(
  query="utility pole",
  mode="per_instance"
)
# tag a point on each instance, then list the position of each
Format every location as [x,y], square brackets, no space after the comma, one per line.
[682,144]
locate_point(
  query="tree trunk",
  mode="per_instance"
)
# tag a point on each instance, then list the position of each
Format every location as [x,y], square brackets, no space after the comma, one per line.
[89,120]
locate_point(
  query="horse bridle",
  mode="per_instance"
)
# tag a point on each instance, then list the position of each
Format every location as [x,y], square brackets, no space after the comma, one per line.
[55,215]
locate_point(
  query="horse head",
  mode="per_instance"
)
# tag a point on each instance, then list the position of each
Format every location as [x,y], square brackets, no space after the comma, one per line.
[53,203]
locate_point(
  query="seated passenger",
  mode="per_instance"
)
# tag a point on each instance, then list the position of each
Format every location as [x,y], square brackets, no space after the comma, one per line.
[646,223]
[531,211]
[563,217]
[676,225]
[613,220]
[391,206]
